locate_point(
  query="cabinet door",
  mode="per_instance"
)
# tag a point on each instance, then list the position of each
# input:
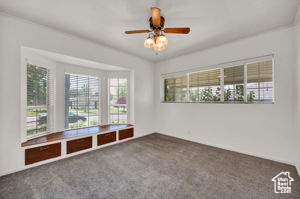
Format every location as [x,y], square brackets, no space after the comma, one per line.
[107,138]
[126,133]
[45,152]
[79,144]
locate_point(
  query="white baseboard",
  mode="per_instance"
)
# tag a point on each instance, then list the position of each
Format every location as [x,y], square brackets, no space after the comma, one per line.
[236,150]
[67,156]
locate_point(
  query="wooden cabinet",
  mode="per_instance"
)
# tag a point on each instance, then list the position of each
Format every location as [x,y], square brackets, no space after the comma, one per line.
[126,133]
[79,144]
[107,138]
[46,152]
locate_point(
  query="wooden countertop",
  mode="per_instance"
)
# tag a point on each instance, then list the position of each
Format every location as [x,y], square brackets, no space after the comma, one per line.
[73,133]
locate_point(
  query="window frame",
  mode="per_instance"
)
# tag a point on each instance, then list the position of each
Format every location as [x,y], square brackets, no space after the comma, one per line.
[51,98]
[127,105]
[221,67]
[99,98]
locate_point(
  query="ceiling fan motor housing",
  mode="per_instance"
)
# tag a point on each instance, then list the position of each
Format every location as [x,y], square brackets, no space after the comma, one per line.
[162,23]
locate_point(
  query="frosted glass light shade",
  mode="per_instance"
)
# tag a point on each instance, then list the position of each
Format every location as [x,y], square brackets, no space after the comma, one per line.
[162,39]
[149,43]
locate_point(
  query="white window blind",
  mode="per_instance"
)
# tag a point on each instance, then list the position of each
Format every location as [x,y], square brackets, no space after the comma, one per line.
[118,100]
[234,83]
[39,100]
[260,81]
[175,89]
[82,107]
[205,86]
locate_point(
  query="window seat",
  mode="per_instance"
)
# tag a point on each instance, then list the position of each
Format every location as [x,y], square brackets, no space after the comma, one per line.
[73,133]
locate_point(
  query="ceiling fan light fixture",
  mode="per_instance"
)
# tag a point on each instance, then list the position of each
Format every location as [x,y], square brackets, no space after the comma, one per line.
[156,39]
[159,47]
[149,42]
[162,39]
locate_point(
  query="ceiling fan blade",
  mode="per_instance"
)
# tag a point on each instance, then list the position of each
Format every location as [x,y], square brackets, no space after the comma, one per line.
[155,14]
[177,30]
[137,31]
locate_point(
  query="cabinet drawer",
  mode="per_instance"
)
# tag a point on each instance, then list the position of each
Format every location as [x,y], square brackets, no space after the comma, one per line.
[126,133]
[46,152]
[107,138]
[79,144]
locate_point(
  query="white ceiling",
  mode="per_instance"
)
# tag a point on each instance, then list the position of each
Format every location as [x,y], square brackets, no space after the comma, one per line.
[212,22]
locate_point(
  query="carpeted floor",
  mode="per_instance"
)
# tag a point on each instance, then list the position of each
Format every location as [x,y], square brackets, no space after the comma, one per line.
[154,166]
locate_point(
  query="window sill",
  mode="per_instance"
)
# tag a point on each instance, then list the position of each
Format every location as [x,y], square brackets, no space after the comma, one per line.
[75,133]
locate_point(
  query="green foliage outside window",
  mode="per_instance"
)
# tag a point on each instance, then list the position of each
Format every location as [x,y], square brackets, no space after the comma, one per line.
[207,95]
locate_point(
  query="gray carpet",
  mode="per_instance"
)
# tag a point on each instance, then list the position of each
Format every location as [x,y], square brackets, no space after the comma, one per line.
[154,166]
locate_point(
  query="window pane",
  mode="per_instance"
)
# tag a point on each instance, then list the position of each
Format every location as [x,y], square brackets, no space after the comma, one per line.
[175,89]
[123,82]
[114,114]
[234,83]
[114,82]
[37,119]
[72,119]
[81,101]
[31,121]
[122,95]
[259,83]
[205,86]
[118,94]
[37,99]
[118,114]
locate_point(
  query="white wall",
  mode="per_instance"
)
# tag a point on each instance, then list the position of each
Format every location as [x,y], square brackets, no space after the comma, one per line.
[16,33]
[261,130]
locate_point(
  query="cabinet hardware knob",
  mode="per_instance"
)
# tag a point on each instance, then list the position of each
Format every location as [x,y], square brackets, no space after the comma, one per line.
[44,148]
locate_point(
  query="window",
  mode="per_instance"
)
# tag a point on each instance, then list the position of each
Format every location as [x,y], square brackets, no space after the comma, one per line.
[247,81]
[205,86]
[82,107]
[234,83]
[37,113]
[118,100]
[175,89]
[259,81]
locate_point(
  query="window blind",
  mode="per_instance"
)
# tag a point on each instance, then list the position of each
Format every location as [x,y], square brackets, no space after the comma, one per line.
[260,72]
[38,101]
[81,101]
[205,86]
[260,81]
[175,89]
[234,75]
[205,78]
[234,83]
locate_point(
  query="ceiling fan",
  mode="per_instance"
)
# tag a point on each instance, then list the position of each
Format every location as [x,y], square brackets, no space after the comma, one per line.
[156,39]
